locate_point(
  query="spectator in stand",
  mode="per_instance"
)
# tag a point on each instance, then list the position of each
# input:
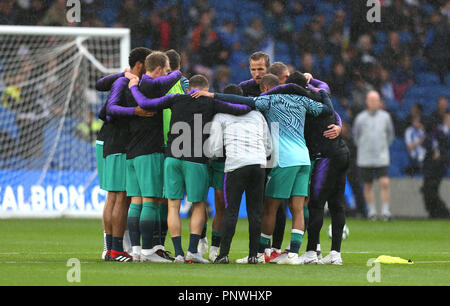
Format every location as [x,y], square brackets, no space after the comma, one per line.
[228,35]
[339,82]
[312,38]
[386,85]
[56,15]
[277,22]
[436,46]
[414,138]
[254,36]
[206,44]
[393,52]
[88,129]
[416,112]
[395,16]
[130,17]
[307,65]
[437,117]
[221,79]
[358,95]
[32,14]
[403,78]
[177,27]
[8,15]
[197,9]
[435,167]
[334,45]
[159,31]
[90,19]
[366,58]
[306,7]
[338,23]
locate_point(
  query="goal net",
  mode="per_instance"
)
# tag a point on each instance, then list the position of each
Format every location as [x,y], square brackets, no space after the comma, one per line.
[48,116]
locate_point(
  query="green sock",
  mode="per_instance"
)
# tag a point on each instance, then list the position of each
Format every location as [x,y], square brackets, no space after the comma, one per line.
[296,240]
[134,213]
[264,243]
[157,231]
[147,223]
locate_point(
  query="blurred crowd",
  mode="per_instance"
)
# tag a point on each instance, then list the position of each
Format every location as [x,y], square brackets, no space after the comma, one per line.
[332,40]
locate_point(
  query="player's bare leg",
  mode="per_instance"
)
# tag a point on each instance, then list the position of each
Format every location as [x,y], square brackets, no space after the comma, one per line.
[296,206]
[107,222]
[174,225]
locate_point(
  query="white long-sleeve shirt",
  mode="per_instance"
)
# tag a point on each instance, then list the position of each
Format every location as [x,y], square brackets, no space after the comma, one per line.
[246,139]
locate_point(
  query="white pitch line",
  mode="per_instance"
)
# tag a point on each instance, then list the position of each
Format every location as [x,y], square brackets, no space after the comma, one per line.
[436,261]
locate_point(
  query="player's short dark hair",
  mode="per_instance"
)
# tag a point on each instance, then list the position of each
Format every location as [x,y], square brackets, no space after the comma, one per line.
[156,59]
[198,81]
[278,68]
[269,80]
[233,89]
[174,59]
[138,55]
[259,55]
[297,78]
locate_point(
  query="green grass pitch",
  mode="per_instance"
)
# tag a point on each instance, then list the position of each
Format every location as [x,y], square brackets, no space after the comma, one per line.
[36,251]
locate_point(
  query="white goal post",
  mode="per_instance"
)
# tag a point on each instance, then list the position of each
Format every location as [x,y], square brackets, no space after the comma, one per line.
[48,125]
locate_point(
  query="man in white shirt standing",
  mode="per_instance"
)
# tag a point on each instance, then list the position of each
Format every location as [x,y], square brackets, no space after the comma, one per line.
[414,138]
[374,132]
[248,143]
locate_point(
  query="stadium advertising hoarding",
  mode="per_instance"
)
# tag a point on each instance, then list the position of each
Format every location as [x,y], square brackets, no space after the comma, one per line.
[68,194]
[62,194]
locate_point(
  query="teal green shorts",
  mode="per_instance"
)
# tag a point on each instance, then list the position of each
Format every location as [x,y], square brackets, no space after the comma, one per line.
[115,172]
[282,183]
[184,177]
[145,176]
[100,164]
[216,175]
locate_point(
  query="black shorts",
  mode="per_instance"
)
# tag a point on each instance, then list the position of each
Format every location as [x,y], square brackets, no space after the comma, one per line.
[369,174]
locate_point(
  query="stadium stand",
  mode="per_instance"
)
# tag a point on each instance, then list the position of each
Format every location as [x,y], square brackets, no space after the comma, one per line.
[296,17]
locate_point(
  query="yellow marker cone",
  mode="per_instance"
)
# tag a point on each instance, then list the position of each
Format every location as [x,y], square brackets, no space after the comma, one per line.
[393,260]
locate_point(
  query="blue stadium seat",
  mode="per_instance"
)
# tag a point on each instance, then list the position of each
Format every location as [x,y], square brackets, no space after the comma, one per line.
[405,37]
[427,78]
[325,7]
[109,16]
[326,64]
[392,105]
[381,37]
[378,48]
[282,47]
[301,21]
[283,57]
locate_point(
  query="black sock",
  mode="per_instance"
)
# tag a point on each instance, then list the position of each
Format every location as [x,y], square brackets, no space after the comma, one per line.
[117,244]
[177,246]
[108,242]
[193,243]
